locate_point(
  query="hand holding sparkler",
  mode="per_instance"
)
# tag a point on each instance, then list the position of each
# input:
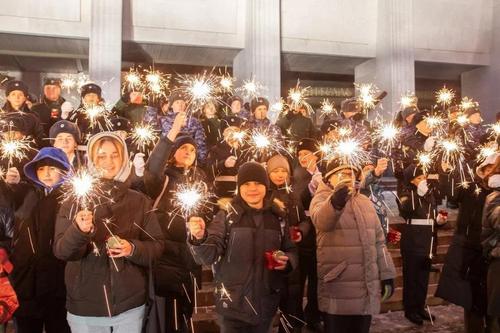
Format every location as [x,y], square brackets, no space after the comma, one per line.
[12,176]
[381,166]
[179,122]
[230,162]
[85,221]
[281,262]
[196,227]
[139,164]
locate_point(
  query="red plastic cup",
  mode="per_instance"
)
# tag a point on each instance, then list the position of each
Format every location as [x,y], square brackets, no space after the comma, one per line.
[294,233]
[271,258]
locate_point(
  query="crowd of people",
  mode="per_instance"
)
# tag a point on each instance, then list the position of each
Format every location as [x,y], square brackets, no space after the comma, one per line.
[294,227]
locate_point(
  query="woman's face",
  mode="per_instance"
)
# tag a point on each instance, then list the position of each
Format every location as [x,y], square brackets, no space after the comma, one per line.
[185,155]
[108,160]
[66,142]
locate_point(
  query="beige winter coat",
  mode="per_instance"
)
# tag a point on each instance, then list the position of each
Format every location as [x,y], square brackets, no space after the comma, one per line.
[352,256]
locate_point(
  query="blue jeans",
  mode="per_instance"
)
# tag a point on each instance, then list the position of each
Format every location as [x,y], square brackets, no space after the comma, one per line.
[127,322]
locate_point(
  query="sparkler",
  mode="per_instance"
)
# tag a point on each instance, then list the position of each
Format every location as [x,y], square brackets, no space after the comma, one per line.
[97,114]
[84,190]
[328,108]
[468,103]
[495,129]
[68,83]
[144,136]
[408,100]
[262,143]
[12,149]
[462,120]
[226,83]
[190,198]
[445,96]
[425,160]
[251,89]
[451,150]
[350,151]
[367,95]
[387,136]
[199,88]
[133,80]
[485,152]
[297,97]
[156,83]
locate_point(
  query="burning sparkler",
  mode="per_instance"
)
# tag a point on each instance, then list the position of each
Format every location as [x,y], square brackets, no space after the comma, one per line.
[156,83]
[468,103]
[387,136]
[328,108]
[367,95]
[12,149]
[84,190]
[190,198]
[425,160]
[297,97]
[98,116]
[408,100]
[262,143]
[144,136]
[451,151]
[251,89]
[445,96]
[199,88]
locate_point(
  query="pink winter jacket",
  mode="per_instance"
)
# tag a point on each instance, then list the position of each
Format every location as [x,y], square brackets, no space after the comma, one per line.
[352,256]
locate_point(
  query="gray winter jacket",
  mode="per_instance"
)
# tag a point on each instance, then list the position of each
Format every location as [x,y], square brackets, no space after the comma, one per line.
[352,256]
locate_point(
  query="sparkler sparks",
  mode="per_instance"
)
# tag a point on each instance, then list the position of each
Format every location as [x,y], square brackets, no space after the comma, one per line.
[328,108]
[97,114]
[451,151]
[12,149]
[144,136]
[226,82]
[445,96]
[262,143]
[190,198]
[425,160]
[468,103]
[199,88]
[251,89]
[408,100]
[367,95]
[387,135]
[297,97]
[84,190]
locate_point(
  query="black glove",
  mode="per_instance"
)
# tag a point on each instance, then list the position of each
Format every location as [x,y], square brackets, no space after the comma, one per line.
[340,197]
[387,289]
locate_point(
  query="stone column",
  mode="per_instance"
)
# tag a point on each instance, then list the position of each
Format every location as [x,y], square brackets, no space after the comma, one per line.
[105,47]
[261,57]
[482,84]
[394,66]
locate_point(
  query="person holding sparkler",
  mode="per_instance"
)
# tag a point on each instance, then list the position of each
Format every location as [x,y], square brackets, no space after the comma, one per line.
[474,134]
[170,167]
[463,278]
[236,107]
[354,266]
[211,124]
[131,106]
[107,247]
[38,276]
[490,173]
[90,122]
[225,158]
[299,225]
[418,206]
[16,94]
[250,254]
[259,119]
[50,109]
[66,136]
[296,124]
[192,126]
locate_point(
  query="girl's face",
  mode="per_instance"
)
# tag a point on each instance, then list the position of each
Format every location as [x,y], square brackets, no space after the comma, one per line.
[278,176]
[16,99]
[108,160]
[185,155]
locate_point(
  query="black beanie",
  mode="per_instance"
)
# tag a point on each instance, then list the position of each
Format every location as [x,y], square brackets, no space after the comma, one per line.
[91,88]
[256,102]
[411,172]
[182,140]
[307,144]
[65,126]
[336,165]
[470,111]
[233,98]
[252,172]
[11,86]
[409,110]
[330,124]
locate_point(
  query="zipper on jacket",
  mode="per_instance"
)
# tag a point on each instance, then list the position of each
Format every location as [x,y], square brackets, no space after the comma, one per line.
[233,236]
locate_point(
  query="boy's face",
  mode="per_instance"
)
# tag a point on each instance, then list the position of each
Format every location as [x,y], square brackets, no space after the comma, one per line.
[179,106]
[236,106]
[278,176]
[16,98]
[66,142]
[260,112]
[253,193]
[91,99]
[48,175]
[475,118]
